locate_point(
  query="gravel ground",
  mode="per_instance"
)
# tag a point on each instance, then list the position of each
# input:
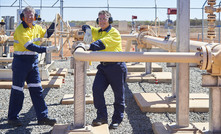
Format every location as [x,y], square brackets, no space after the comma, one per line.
[135,121]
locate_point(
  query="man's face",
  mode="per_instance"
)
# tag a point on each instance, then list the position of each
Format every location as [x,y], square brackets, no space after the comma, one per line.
[29,17]
[103,21]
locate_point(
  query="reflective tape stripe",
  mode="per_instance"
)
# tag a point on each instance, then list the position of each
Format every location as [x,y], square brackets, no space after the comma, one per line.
[34,85]
[28,43]
[46,35]
[36,39]
[25,53]
[17,88]
[31,41]
[16,41]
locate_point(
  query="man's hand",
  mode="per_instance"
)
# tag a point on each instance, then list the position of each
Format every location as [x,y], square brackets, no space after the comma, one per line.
[51,49]
[88,36]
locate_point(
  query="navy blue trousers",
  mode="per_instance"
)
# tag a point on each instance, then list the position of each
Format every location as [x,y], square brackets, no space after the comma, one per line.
[25,68]
[115,76]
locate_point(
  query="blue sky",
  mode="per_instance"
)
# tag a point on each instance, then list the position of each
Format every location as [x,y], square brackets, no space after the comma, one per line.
[83,14]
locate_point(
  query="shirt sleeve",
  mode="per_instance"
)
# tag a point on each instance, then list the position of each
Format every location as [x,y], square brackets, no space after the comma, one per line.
[50,30]
[97,45]
[36,48]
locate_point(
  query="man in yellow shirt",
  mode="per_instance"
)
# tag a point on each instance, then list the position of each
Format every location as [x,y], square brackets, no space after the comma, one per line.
[108,39]
[25,68]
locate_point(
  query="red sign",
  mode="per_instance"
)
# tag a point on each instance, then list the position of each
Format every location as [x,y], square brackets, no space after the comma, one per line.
[134,17]
[171,11]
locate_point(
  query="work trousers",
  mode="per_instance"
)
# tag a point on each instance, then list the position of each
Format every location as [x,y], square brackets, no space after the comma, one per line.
[113,74]
[25,68]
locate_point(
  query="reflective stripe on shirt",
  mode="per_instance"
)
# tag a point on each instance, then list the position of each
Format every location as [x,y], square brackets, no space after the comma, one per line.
[31,41]
[25,53]
[16,41]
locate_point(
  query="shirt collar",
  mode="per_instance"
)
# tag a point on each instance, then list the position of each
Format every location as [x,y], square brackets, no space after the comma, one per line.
[106,29]
[25,25]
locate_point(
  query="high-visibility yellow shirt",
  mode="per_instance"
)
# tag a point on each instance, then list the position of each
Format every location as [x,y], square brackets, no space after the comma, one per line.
[25,36]
[111,38]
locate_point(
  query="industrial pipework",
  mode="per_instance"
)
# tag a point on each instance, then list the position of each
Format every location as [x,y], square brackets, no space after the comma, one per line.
[206,55]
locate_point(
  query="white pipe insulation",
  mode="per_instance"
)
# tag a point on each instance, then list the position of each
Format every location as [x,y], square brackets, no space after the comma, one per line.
[172,57]
[169,45]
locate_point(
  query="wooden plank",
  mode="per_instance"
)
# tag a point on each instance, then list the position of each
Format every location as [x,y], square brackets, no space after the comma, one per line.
[91,72]
[69,99]
[59,72]
[162,77]
[132,67]
[160,128]
[59,129]
[102,129]
[172,128]
[140,67]
[53,82]
[63,129]
[157,102]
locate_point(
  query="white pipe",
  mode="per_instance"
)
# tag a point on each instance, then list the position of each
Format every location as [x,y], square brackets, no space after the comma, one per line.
[169,45]
[2,59]
[172,57]
[129,36]
[182,69]
[4,38]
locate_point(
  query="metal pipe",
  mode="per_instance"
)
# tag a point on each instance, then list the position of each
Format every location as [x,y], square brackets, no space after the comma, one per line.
[155,9]
[79,94]
[62,16]
[20,4]
[108,5]
[171,44]
[171,57]
[2,59]
[4,38]
[40,7]
[215,109]
[129,36]
[182,69]
[203,20]
[219,22]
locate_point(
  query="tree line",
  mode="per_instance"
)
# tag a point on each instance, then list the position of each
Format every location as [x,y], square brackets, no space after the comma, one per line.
[193,22]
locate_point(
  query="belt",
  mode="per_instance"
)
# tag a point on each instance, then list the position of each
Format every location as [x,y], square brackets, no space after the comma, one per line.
[108,63]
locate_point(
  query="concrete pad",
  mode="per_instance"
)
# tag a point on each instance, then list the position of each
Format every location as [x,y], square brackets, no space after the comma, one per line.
[64,129]
[140,67]
[161,77]
[158,102]
[172,128]
[69,99]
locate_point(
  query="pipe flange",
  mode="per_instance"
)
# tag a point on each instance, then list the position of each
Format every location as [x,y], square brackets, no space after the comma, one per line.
[204,55]
[140,37]
[209,58]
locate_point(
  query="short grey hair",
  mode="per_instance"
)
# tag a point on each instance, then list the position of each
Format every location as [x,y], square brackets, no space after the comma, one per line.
[105,12]
[27,9]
